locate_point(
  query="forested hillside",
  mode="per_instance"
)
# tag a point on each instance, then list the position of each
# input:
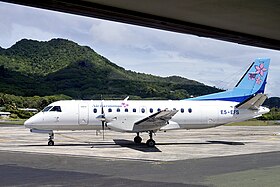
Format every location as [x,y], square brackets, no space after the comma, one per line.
[272,102]
[61,66]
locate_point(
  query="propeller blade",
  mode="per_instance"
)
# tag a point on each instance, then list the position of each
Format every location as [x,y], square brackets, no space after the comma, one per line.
[103,119]
[103,128]
[102,109]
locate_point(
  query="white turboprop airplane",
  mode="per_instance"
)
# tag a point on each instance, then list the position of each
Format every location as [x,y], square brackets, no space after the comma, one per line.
[241,103]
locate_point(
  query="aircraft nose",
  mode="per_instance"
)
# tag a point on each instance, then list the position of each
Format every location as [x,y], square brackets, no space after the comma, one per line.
[31,121]
[28,123]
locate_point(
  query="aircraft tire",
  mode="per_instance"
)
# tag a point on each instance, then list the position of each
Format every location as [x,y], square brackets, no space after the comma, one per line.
[137,139]
[151,143]
[51,143]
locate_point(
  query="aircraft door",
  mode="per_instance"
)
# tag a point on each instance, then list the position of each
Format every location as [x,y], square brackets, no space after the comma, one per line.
[83,114]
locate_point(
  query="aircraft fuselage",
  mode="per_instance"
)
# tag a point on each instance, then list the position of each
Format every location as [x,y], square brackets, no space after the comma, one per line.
[122,115]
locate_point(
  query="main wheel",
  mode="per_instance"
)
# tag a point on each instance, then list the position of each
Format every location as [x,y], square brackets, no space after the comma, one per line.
[51,143]
[137,139]
[151,143]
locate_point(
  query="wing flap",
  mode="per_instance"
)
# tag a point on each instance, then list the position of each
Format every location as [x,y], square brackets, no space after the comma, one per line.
[154,121]
[252,103]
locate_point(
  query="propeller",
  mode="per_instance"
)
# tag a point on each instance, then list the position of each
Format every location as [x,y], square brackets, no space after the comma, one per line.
[102,118]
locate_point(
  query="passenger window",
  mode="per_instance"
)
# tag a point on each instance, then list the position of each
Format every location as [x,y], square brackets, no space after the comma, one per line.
[190,110]
[182,110]
[151,110]
[109,110]
[126,110]
[95,110]
[143,110]
[158,110]
[56,109]
[134,110]
[46,109]
[118,109]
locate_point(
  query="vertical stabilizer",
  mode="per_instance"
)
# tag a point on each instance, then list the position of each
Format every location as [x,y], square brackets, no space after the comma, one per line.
[252,82]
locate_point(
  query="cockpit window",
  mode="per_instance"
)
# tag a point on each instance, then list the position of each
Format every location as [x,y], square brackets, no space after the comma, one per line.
[56,109]
[47,108]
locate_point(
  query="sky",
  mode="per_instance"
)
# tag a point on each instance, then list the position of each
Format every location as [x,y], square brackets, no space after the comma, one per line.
[212,62]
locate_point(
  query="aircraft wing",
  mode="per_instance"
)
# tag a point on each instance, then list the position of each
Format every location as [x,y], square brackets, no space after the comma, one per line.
[252,103]
[154,121]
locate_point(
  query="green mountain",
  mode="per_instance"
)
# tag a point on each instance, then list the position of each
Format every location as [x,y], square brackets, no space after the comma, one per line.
[272,102]
[61,66]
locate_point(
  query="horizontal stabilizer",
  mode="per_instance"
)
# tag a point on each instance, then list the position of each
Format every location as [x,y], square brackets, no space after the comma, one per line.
[253,102]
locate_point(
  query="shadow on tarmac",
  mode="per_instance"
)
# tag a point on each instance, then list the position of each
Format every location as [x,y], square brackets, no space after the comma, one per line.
[226,142]
[130,144]
[139,147]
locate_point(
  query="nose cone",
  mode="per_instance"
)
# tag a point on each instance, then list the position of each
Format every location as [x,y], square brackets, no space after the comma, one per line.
[34,120]
[28,123]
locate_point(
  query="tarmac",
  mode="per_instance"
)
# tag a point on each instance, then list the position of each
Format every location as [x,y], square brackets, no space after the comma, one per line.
[222,156]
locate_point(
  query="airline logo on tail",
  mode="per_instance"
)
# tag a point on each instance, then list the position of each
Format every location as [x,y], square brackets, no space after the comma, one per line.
[258,75]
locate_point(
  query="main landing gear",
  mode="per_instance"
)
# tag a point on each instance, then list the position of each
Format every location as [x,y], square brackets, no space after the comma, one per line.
[51,137]
[149,143]
[137,139]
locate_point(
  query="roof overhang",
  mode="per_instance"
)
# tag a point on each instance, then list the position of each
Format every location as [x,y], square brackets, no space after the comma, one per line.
[250,22]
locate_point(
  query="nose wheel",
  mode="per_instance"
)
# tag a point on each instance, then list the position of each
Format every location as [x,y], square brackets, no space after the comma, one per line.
[51,137]
[50,142]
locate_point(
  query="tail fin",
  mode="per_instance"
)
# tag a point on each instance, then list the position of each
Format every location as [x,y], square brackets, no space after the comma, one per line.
[253,82]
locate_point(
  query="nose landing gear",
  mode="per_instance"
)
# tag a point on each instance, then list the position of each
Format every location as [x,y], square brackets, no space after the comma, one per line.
[51,137]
